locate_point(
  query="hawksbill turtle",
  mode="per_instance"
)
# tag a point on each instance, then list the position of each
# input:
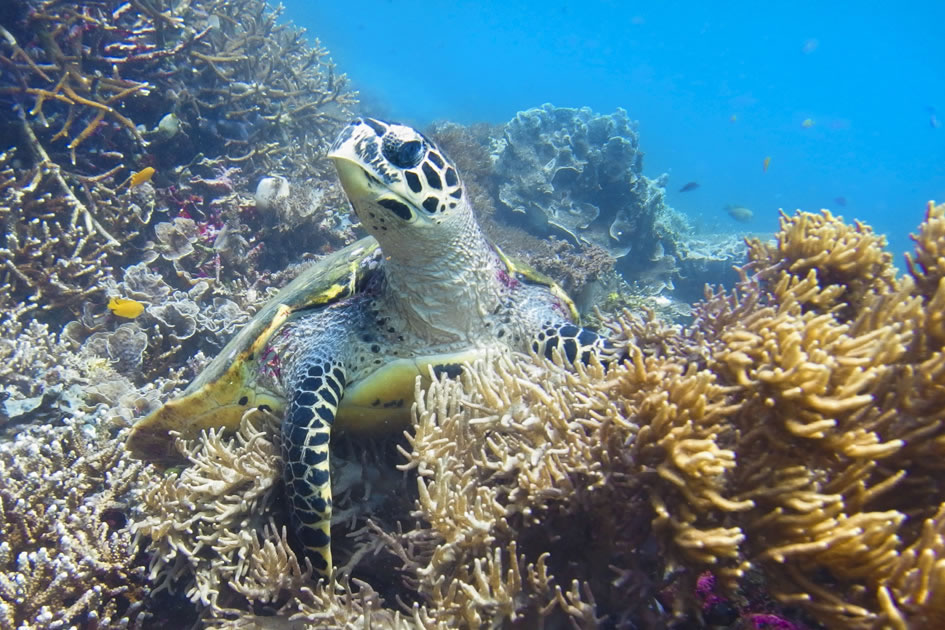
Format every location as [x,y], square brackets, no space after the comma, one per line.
[343,344]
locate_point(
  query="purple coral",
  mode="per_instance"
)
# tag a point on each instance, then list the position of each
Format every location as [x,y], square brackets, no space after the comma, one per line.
[719,610]
[767,621]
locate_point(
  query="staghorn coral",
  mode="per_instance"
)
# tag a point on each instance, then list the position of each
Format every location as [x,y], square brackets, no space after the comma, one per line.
[67,555]
[52,255]
[209,95]
[236,81]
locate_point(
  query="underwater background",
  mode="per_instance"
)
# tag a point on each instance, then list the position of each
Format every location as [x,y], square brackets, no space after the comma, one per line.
[716,88]
[770,455]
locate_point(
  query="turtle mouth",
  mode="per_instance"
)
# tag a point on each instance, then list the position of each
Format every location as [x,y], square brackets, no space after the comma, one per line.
[372,201]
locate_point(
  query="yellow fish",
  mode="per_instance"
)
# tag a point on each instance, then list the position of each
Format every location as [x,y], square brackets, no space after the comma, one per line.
[808,123]
[123,307]
[142,176]
[765,164]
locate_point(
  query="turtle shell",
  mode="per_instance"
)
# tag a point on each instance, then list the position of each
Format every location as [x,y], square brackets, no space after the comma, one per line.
[229,385]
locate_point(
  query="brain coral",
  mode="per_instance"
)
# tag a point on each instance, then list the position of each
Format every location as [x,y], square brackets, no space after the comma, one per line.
[582,173]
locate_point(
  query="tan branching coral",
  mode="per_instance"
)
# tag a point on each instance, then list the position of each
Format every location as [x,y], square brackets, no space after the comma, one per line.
[836,401]
[500,458]
[791,443]
[204,523]
[849,258]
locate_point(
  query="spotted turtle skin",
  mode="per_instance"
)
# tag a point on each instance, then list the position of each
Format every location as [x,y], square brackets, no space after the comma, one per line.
[343,345]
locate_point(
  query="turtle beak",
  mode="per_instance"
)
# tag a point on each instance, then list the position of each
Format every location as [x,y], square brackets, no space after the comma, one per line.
[346,154]
[353,178]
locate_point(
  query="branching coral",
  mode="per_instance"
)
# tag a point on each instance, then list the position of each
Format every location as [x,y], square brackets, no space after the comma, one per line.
[207,97]
[204,523]
[504,462]
[67,556]
[233,76]
[838,400]
[52,256]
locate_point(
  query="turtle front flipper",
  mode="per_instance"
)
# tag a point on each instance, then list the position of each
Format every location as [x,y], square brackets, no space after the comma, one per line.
[574,343]
[306,431]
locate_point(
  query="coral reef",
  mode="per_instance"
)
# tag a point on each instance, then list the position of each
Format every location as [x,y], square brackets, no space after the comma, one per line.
[789,442]
[53,254]
[132,118]
[582,173]
[67,555]
[778,461]
[571,170]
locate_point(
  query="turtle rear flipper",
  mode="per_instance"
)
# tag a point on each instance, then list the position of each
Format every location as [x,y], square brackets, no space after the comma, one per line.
[306,432]
[218,397]
[220,404]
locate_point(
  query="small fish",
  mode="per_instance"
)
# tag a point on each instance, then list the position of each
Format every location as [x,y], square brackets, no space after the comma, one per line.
[123,307]
[766,164]
[142,176]
[739,213]
[808,123]
[934,122]
[733,118]
[689,186]
[840,201]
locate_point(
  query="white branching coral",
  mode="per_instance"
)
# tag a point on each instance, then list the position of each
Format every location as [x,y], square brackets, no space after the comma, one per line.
[67,556]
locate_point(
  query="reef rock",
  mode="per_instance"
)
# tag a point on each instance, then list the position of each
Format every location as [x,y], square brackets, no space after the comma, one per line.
[580,172]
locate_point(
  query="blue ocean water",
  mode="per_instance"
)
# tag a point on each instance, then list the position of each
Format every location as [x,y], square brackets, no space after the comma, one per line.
[716,88]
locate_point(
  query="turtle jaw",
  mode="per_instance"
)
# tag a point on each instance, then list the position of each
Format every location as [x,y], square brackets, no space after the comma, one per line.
[371,199]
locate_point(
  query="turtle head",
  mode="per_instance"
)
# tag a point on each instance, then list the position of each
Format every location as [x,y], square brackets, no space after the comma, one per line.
[395,176]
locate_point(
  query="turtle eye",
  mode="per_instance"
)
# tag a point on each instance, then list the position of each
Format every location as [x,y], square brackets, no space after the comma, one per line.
[404,154]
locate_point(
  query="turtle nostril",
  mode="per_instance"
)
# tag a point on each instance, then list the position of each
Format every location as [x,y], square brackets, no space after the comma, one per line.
[403,154]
